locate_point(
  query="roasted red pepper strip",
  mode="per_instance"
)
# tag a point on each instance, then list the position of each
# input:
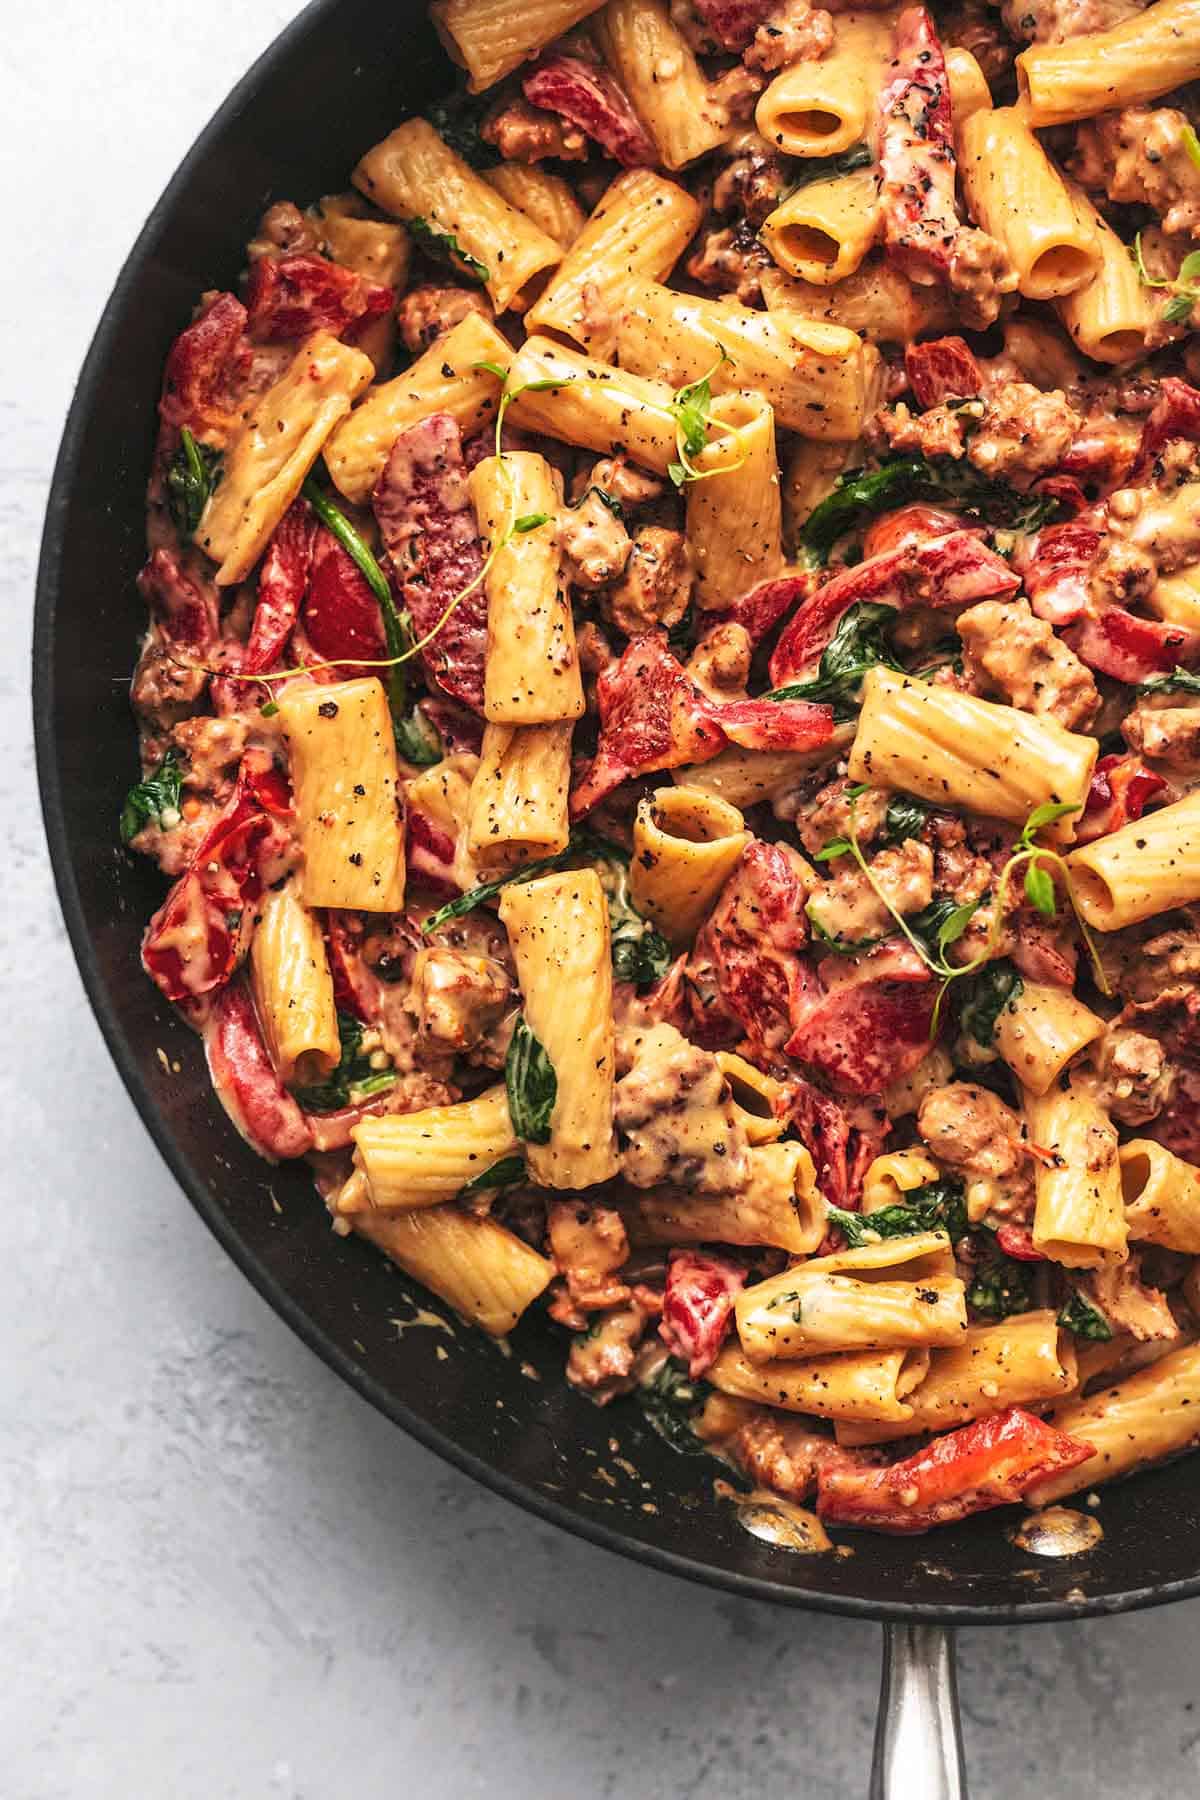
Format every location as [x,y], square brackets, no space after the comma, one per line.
[1130,649]
[246,1084]
[952,570]
[282,581]
[1176,414]
[698,1306]
[1017,1241]
[746,976]
[1121,787]
[290,297]
[1056,570]
[991,1462]
[203,369]
[653,716]
[942,369]
[870,1029]
[585,94]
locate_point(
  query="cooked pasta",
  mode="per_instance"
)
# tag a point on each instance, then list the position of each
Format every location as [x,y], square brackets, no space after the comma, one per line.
[669,707]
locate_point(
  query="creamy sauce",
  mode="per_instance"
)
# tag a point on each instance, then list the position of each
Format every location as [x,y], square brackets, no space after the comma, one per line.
[780,1523]
[422,1317]
[1058,1531]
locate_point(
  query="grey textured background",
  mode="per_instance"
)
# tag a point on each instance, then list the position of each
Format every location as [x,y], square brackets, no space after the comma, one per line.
[220,1573]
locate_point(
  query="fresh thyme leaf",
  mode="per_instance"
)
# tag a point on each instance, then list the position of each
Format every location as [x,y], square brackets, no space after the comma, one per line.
[531,1084]
[1039,890]
[985,995]
[1178,308]
[1044,815]
[157,794]
[1191,144]
[194,472]
[955,923]
[1085,1320]
[691,408]
[838,846]
[508,1172]
[530,522]
[352,1081]
[1182,679]
[443,246]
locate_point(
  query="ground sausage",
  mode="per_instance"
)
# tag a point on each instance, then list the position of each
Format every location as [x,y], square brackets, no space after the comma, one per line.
[1010,653]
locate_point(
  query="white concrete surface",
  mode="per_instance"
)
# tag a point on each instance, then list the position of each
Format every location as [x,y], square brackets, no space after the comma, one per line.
[220,1573]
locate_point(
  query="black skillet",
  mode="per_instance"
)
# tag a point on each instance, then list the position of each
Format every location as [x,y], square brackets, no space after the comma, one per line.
[338,79]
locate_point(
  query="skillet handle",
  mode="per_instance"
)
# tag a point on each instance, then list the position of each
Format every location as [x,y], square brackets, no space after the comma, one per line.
[918,1740]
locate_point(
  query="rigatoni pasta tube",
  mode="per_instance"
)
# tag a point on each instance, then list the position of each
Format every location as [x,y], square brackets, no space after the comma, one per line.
[413,175]
[1079,1217]
[443,793]
[686,844]
[426,1158]
[531,673]
[758,1098]
[448,378]
[592,405]
[559,932]
[822,232]
[293,989]
[653,62]
[1148,867]
[374,248]
[266,465]
[1040,1030]
[546,199]
[734,511]
[1152,1414]
[518,805]
[1162,1196]
[345,792]
[641,225]
[821,380]
[1017,195]
[899,1291]
[1134,62]
[822,107]
[488,1274]
[779,1206]
[491,38]
[877,301]
[1110,318]
[969,90]
[891,1176]
[957,751]
[1023,1361]
[860,1385]
[745,777]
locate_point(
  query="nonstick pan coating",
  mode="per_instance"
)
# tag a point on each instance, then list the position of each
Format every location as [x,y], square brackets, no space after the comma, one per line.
[340,77]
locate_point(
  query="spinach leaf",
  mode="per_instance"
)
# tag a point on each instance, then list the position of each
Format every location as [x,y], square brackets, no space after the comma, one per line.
[583,844]
[671,1400]
[941,923]
[506,1173]
[906,817]
[984,997]
[824,168]
[1001,1286]
[1185,681]
[457,120]
[443,246]
[532,1085]
[862,494]
[863,639]
[157,794]
[416,739]
[353,1080]
[194,472]
[938,1206]
[1085,1320]
[640,953]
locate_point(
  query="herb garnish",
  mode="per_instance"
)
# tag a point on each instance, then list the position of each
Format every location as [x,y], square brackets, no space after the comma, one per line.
[443,246]
[984,999]
[861,494]
[862,640]
[671,1400]
[1085,1320]
[1182,287]
[937,1206]
[1183,680]
[508,1172]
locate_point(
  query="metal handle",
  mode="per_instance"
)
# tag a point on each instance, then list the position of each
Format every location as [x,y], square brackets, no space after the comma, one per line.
[918,1742]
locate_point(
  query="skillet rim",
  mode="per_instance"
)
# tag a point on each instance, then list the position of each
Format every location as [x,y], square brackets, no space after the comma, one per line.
[66,473]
